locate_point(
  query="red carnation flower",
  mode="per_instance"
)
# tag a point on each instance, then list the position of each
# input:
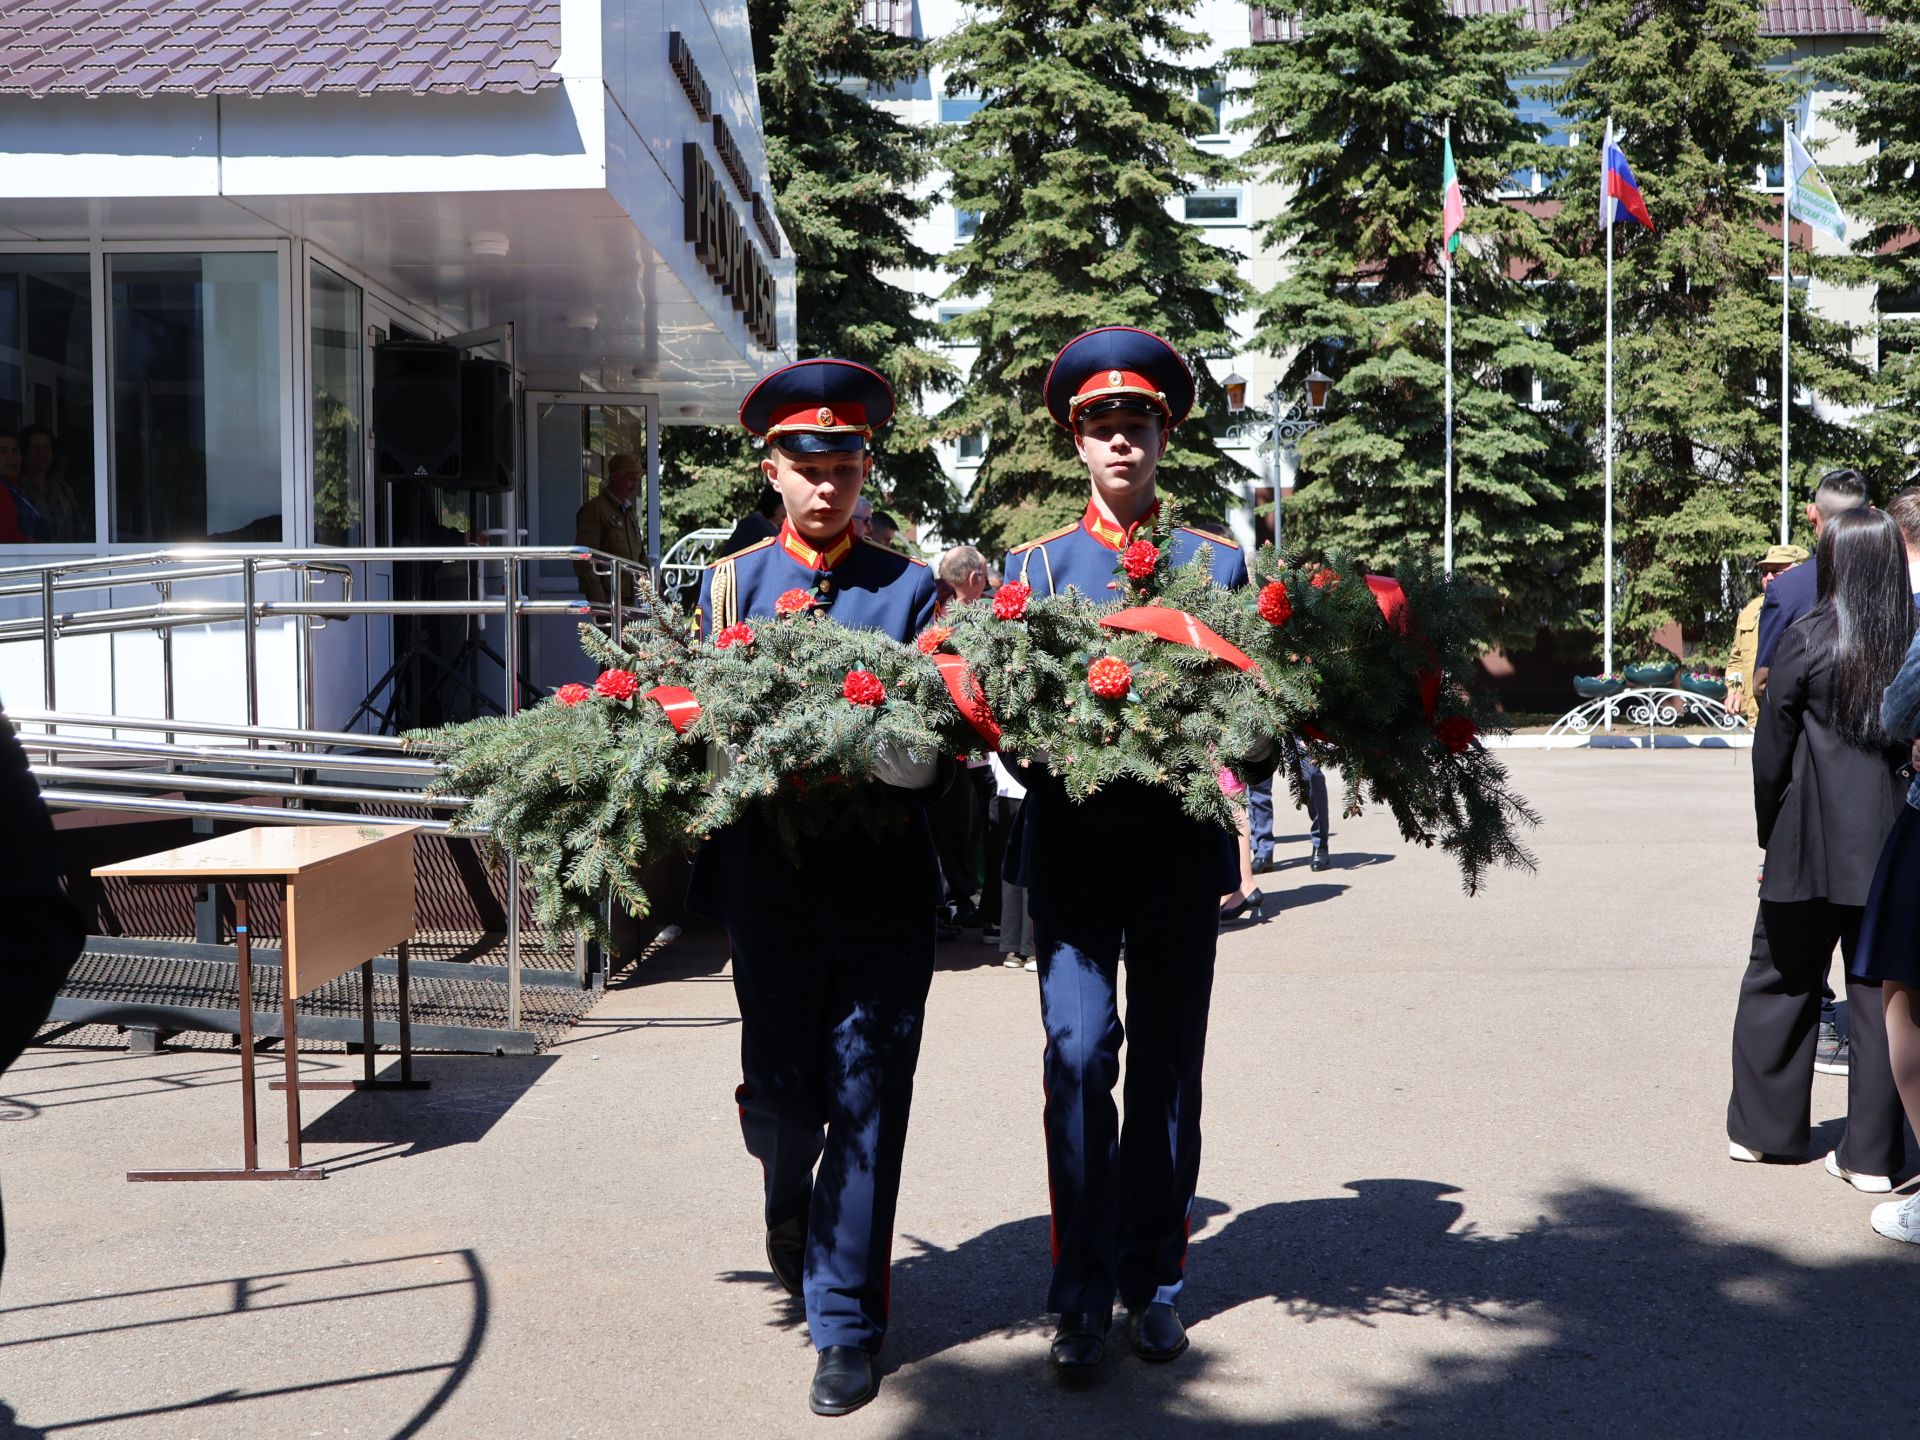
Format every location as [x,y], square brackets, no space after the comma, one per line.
[1110,677]
[1457,733]
[1139,558]
[617,685]
[1274,605]
[933,637]
[863,687]
[792,602]
[1325,579]
[739,633]
[1010,601]
[572,694]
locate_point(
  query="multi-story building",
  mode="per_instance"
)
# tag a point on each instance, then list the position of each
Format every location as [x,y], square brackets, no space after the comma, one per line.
[1230,216]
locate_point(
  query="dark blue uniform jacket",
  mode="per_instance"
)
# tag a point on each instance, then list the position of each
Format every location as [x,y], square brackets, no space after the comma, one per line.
[742,875]
[1069,853]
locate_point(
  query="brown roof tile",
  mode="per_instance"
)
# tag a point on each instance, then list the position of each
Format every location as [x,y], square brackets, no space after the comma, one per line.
[1777,17]
[265,47]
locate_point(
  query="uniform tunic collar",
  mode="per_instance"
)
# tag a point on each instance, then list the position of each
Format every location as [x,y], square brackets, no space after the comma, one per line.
[802,549]
[1110,534]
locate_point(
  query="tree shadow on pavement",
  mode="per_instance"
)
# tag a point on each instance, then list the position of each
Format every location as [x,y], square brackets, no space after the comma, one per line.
[1610,1314]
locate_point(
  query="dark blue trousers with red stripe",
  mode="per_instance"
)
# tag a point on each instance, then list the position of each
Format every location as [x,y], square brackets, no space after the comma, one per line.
[829,1037]
[1122,1197]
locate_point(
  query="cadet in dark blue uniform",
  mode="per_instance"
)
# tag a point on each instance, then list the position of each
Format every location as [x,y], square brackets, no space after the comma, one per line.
[831,993]
[1120,1197]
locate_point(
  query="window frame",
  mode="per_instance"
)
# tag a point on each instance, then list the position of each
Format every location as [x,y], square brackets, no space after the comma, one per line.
[1237,193]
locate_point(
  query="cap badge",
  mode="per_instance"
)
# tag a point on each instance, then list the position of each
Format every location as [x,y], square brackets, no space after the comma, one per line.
[1114,377]
[826,415]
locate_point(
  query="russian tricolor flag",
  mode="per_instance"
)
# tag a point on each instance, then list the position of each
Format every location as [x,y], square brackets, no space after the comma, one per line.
[1618,189]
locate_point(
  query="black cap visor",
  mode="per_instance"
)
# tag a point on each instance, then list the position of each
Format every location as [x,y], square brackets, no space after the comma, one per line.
[818,442]
[1137,404]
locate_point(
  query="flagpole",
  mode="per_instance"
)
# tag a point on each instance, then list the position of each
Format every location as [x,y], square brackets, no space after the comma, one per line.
[1786,293]
[1606,642]
[1447,256]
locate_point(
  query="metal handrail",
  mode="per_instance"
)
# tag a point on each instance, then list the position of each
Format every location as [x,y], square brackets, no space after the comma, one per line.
[164,569]
[50,743]
[204,727]
[156,780]
[222,810]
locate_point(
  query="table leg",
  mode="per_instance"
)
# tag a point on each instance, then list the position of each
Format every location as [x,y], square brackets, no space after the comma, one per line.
[292,1047]
[366,1020]
[250,1144]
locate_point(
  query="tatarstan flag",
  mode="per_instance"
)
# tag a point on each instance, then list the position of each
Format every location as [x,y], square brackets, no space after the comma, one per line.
[1453,209]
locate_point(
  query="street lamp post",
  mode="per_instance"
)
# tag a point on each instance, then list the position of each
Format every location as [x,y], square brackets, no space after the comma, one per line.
[1283,428]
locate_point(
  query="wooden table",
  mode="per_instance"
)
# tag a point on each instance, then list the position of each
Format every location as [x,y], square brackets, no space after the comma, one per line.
[348,893]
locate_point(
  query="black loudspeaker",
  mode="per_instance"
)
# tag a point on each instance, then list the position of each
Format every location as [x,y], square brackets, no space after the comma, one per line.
[416,411]
[486,425]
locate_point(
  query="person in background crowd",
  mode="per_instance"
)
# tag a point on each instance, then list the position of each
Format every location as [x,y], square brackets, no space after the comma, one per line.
[44,484]
[832,953]
[610,522]
[1889,950]
[965,569]
[21,522]
[1260,814]
[1905,510]
[960,817]
[1015,930]
[862,522]
[1741,699]
[1826,792]
[885,529]
[40,931]
[762,522]
[1793,594]
[1245,904]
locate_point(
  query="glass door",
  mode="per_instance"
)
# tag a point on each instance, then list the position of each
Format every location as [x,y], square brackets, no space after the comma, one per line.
[580,445]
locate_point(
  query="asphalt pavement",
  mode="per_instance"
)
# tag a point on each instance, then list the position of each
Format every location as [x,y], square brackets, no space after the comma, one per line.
[1465,1174]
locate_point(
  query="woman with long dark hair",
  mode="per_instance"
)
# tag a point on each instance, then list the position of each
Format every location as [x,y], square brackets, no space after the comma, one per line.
[1890,936]
[1826,790]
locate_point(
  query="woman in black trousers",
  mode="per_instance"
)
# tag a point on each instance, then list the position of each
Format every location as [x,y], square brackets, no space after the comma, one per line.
[1826,789]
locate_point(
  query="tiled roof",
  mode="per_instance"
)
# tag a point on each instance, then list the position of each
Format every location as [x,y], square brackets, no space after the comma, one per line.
[276,47]
[1816,17]
[1777,17]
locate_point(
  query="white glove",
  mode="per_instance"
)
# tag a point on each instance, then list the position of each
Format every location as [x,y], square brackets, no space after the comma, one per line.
[721,758]
[901,768]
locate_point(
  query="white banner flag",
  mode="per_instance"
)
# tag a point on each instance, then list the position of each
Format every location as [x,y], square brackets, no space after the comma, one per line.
[1808,194]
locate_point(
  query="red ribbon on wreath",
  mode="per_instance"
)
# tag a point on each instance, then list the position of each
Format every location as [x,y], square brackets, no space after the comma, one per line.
[964,686]
[1181,628]
[682,709]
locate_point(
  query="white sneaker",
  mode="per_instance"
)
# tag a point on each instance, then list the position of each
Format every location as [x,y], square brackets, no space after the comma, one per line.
[1737,1151]
[1865,1184]
[1032,967]
[1898,1220]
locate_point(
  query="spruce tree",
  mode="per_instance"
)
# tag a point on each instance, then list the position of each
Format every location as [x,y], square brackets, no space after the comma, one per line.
[1348,116]
[846,187]
[1881,196]
[1084,139]
[1696,305]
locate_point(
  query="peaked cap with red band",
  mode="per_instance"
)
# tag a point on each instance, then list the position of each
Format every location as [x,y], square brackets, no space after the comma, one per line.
[816,406]
[1118,367]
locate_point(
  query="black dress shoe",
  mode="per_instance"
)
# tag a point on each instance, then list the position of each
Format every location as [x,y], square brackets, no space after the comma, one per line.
[1156,1334]
[1319,861]
[787,1253]
[1080,1343]
[844,1379]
